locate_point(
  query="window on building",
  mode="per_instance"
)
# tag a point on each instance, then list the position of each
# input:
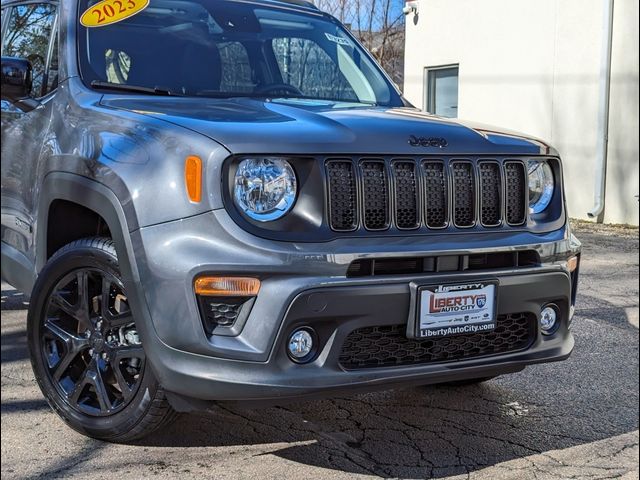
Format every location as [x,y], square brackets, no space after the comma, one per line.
[442,91]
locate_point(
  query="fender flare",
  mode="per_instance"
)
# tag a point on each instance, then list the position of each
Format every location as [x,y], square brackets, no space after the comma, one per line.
[95,196]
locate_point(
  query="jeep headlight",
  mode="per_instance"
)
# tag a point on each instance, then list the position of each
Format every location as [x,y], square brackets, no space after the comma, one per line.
[265,188]
[541,185]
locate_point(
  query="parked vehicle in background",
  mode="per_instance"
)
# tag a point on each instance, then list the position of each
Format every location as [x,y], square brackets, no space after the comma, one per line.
[217,200]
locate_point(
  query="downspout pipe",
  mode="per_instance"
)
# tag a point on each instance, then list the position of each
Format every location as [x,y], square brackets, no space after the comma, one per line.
[597,211]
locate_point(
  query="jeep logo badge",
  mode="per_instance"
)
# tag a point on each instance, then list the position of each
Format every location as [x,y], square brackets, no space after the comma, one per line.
[436,142]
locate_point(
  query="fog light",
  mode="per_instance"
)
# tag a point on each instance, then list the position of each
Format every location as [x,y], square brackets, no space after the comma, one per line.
[300,344]
[549,319]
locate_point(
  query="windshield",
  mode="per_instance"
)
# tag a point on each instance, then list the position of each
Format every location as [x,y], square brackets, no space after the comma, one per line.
[225,49]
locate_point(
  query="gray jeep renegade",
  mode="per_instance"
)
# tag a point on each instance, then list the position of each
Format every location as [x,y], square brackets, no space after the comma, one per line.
[219,200]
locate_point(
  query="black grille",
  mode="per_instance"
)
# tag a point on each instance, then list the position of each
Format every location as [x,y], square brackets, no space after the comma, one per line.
[406,195]
[388,193]
[435,193]
[490,194]
[516,185]
[386,346]
[464,195]
[342,195]
[376,195]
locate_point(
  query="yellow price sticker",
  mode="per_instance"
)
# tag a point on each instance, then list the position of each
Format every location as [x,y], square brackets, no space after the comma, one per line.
[107,12]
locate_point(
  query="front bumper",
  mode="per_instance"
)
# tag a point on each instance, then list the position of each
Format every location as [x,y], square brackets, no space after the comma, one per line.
[305,284]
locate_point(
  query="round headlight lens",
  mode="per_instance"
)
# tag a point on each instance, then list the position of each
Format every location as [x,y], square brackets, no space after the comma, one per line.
[541,185]
[265,188]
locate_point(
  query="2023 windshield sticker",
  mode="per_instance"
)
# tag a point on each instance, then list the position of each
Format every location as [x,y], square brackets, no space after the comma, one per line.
[108,12]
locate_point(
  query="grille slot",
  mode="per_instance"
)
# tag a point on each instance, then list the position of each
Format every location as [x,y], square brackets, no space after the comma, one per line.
[375,193]
[406,195]
[388,346]
[435,194]
[464,194]
[490,194]
[342,196]
[446,263]
[516,193]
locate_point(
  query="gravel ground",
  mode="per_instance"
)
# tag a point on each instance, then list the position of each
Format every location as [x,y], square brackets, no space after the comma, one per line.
[577,419]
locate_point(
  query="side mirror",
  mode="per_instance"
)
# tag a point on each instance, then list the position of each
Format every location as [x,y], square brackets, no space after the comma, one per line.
[16,78]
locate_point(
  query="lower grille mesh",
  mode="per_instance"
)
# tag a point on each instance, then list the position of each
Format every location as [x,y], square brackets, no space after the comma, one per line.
[386,346]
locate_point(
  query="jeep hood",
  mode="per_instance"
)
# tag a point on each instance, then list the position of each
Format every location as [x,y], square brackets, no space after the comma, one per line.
[287,126]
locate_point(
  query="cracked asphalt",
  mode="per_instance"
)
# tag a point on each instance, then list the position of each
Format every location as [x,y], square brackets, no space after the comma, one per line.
[577,419]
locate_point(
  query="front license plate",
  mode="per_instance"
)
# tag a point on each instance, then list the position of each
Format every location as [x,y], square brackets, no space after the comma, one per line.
[446,310]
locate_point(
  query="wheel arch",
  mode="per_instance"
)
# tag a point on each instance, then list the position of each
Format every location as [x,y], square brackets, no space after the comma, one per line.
[61,186]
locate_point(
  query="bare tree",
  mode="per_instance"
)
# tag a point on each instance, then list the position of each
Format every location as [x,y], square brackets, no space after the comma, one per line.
[378,24]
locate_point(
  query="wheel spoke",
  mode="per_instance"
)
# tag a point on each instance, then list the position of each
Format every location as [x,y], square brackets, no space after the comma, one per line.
[83,299]
[95,378]
[74,396]
[60,302]
[73,345]
[122,382]
[105,297]
[114,320]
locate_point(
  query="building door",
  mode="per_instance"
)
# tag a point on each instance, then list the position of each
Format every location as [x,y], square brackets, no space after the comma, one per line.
[441,91]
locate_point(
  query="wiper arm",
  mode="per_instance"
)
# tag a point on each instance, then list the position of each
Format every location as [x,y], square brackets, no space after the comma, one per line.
[133,88]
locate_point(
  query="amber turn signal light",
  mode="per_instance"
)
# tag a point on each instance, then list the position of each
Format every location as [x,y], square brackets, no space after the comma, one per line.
[193,177]
[227,286]
[572,264]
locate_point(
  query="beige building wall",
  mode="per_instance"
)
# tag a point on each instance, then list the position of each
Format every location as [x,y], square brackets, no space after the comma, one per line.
[534,66]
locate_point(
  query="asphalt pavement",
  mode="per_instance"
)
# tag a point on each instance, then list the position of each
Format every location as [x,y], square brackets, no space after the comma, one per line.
[575,419]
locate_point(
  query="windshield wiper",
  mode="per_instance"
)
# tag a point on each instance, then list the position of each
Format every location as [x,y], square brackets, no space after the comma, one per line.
[133,88]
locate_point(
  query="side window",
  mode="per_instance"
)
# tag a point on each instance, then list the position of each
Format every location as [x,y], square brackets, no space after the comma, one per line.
[236,69]
[28,36]
[306,66]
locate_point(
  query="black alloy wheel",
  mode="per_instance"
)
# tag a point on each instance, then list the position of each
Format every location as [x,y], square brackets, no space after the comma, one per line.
[86,350]
[90,343]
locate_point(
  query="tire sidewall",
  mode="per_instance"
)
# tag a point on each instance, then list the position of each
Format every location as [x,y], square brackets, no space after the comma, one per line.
[71,258]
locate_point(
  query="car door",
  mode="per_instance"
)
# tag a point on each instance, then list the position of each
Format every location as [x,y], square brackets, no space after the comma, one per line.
[29,33]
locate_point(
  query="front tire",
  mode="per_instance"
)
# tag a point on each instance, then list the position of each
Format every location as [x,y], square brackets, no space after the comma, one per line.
[85,350]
